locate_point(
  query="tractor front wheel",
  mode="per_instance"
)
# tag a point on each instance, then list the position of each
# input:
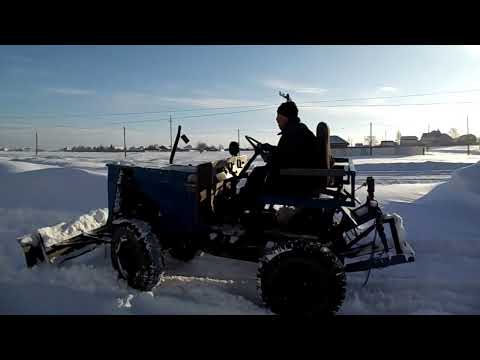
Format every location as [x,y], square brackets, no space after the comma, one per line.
[136,254]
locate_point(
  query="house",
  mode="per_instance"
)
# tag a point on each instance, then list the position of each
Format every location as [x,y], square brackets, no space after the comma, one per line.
[436,138]
[409,141]
[387,143]
[337,142]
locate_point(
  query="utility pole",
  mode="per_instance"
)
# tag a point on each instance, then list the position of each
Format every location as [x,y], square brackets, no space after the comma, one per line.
[36,144]
[171,143]
[124,143]
[238,137]
[370,139]
[468,143]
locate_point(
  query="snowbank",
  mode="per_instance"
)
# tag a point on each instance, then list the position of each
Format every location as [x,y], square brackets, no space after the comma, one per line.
[440,220]
[467,179]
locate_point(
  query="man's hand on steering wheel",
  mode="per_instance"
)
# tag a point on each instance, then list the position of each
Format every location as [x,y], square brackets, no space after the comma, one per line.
[263,149]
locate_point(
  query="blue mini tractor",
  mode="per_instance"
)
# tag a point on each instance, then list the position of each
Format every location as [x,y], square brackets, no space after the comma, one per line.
[304,245]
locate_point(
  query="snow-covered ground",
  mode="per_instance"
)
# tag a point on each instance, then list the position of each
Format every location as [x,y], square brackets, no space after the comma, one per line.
[437,195]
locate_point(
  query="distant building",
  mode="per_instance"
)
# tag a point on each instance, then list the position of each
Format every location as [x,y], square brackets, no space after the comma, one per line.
[388,143]
[409,141]
[359,145]
[436,138]
[338,142]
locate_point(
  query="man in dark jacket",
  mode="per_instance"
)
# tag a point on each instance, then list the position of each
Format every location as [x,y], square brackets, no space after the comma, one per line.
[297,148]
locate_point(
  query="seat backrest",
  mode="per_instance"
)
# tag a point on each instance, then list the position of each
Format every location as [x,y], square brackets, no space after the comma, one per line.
[324,152]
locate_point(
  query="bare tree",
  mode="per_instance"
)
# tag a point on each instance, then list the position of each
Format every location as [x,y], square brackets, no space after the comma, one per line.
[453,133]
[399,136]
[201,146]
[374,140]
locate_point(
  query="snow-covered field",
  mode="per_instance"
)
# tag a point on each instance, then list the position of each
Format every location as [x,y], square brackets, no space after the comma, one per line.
[437,195]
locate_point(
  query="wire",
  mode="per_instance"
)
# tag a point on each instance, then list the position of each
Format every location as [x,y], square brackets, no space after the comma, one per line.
[238,106]
[132,113]
[192,116]
[265,108]
[396,96]
[387,105]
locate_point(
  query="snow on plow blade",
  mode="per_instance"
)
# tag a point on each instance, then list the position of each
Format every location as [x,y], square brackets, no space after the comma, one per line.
[65,241]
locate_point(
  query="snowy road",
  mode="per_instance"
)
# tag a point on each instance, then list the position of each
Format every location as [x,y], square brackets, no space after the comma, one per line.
[437,195]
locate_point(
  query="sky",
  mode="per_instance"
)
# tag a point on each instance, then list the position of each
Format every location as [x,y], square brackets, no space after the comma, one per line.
[84,95]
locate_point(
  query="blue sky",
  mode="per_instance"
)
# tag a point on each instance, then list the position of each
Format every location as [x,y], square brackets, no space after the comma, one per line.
[78,94]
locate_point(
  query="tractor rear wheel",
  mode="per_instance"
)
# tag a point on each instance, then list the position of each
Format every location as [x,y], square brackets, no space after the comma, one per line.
[136,254]
[302,278]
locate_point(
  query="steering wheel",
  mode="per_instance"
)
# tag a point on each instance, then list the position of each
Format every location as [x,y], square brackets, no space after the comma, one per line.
[257,145]
[259,149]
[262,149]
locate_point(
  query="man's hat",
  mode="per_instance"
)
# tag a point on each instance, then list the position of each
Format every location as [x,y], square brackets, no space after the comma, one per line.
[288,109]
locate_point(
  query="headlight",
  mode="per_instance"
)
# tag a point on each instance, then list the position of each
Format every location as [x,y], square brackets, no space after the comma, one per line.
[192,179]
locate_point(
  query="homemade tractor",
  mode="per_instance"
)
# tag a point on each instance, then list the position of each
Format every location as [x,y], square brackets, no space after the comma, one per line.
[304,245]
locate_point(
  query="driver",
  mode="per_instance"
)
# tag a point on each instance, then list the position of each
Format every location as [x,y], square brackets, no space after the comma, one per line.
[297,148]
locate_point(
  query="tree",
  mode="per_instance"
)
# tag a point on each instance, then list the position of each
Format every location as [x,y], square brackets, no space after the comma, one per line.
[399,136]
[453,133]
[201,146]
[374,140]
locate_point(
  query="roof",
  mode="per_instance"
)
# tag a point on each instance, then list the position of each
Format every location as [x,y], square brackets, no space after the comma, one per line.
[408,138]
[334,139]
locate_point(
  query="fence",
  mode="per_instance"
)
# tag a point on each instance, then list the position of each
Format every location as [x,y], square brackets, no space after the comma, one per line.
[379,151]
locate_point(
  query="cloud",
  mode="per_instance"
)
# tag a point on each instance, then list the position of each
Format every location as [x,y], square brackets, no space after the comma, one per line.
[129,100]
[296,87]
[70,91]
[18,58]
[387,89]
[212,102]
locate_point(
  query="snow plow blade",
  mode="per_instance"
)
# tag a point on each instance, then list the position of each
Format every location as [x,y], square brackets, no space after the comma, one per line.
[37,252]
[399,250]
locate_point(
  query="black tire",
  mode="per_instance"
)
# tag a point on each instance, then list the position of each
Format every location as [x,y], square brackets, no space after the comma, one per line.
[136,254]
[185,249]
[302,278]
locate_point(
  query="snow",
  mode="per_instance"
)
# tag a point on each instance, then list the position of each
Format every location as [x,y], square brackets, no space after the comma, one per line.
[63,231]
[437,195]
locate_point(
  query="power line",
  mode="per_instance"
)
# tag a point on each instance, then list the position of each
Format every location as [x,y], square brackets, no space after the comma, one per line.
[130,113]
[234,107]
[386,105]
[396,96]
[262,109]
[190,116]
